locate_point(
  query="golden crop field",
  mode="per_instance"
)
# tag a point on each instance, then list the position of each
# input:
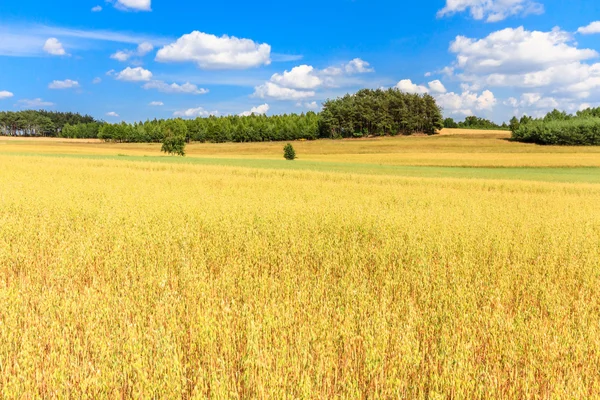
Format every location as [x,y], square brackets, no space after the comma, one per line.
[122,278]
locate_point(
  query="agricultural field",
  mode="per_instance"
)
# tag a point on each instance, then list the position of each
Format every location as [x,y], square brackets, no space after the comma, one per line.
[460,265]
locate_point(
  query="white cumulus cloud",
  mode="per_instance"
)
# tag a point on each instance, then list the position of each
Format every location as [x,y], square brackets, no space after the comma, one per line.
[407,86]
[549,65]
[157,103]
[5,94]
[133,5]
[66,84]
[112,114]
[437,86]
[54,47]
[186,88]
[137,74]
[491,10]
[213,52]
[262,109]
[301,77]
[533,100]
[465,102]
[592,28]
[124,55]
[358,66]
[272,90]
[97,9]
[194,112]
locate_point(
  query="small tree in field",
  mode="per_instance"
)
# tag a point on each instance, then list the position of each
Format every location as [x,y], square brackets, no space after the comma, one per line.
[175,132]
[288,152]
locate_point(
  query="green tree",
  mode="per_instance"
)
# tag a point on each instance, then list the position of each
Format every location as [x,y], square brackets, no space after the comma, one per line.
[175,131]
[288,152]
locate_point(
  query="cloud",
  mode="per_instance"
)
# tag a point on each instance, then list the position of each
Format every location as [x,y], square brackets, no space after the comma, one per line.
[97,80]
[274,91]
[26,40]
[437,87]
[97,9]
[66,84]
[302,81]
[156,103]
[491,10]
[358,66]
[262,109]
[212,52]
[54,47]
[464,103]
[533,100]
[186,88]
[407,86]
[4,94]
[34,103]
[517,51]
[124,55]
[548,63]
[133,5]
[112,114]
[194,112]
[592,28]
[313,105]
[137,74]
[301,77]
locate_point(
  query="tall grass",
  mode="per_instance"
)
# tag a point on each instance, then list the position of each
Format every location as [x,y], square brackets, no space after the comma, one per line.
[131,279]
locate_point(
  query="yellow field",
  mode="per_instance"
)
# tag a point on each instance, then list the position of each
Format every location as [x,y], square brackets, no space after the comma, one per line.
[129,279]
[454,147]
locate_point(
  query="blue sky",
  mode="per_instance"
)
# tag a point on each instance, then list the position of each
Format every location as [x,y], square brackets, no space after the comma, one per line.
[138,59]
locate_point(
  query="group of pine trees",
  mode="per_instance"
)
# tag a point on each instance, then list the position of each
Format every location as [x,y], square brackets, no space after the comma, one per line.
[39,123]
[380,112]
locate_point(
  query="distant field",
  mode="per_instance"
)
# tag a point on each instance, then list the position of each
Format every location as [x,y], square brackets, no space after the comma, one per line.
[457,266]
[475,148]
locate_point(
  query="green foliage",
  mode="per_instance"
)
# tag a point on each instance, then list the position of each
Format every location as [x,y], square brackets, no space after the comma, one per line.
[175,137]
[39,123]
[573,131]
[556,115]
[288,152]
[514,124]
[81,131]
[473,122]
[380,112]
[450,123]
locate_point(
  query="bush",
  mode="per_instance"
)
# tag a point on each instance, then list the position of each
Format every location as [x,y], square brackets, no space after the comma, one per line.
[572,132]
[288,152]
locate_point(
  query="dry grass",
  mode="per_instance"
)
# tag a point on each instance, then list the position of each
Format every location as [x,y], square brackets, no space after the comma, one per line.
[128,279]
[475,148]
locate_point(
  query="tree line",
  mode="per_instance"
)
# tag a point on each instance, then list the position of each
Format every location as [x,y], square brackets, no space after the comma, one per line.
[472,122]
[39,123]
[365,113]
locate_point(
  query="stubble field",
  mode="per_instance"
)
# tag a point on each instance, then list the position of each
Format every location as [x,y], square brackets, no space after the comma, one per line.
[358,271]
